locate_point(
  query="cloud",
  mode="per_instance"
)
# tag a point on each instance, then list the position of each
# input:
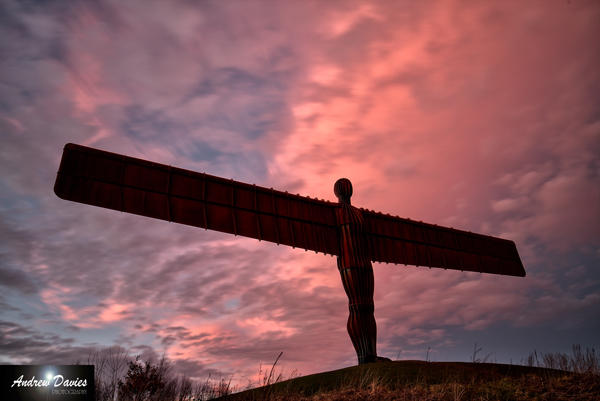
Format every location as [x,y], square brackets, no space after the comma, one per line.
[478,118]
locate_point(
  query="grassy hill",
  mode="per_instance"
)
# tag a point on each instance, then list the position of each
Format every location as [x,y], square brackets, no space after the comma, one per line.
[419,380]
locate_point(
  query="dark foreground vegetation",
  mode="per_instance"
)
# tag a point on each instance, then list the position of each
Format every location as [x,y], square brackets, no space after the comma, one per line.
[549,376]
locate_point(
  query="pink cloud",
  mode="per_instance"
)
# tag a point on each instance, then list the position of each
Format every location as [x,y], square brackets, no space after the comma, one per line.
[481,118]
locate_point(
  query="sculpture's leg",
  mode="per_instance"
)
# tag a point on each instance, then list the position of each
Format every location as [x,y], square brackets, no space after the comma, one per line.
[359,284]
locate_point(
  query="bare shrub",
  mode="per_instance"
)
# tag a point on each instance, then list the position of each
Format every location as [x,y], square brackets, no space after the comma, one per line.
[109,367]
[579,362]
[588,363]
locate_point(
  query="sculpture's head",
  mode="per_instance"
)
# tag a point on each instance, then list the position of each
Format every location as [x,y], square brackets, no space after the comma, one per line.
[343,190]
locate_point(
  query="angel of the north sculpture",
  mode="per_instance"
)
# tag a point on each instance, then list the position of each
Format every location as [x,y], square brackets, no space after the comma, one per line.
[356,236]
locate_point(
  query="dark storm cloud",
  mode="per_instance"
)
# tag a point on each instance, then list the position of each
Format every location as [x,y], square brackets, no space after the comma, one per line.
[22,342]
[14,250]
[16,279]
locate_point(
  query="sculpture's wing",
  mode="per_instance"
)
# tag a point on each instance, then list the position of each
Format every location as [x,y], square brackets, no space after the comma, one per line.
[403,241]
[131,185]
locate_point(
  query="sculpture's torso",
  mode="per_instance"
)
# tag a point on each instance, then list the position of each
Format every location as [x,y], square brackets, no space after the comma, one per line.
[359,283]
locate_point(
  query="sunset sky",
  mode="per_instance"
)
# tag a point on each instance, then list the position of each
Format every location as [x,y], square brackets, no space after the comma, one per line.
[482,116]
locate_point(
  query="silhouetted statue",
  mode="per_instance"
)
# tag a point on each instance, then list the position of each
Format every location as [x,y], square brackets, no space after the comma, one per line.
[355,236]
[357,275]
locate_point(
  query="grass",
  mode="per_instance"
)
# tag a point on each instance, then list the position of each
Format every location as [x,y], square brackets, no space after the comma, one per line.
[419,380]
[539,376]
[578,379]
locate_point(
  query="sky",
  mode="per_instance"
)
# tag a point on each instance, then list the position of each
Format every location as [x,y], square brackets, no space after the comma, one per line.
[482,116]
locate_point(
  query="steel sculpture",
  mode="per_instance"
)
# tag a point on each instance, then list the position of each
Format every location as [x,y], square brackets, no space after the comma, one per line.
[356,236]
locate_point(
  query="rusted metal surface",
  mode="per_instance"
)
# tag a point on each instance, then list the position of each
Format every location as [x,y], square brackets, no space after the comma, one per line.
[357,276]
[403,241]
[131,185]
[136,186]
[356,236]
